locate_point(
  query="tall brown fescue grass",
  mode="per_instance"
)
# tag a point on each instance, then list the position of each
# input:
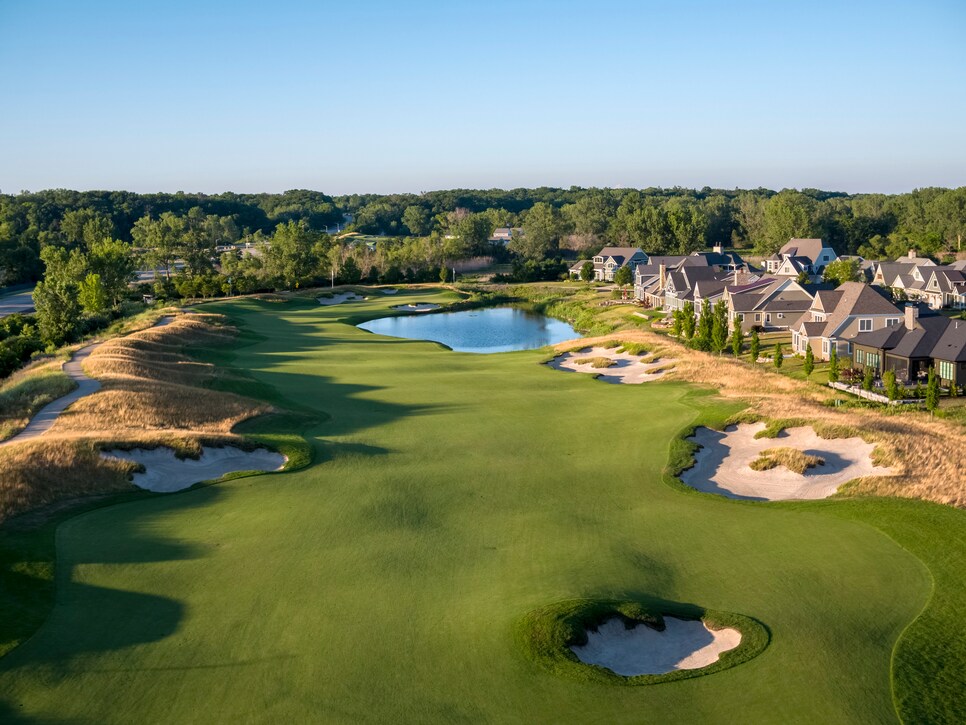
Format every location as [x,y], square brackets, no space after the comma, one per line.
[27,391]
[924,452]
[153,393]
[791,458]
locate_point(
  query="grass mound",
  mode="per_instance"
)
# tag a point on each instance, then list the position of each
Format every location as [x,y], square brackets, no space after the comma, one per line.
[26,392]
[547,634]
[595,362]
[791,458]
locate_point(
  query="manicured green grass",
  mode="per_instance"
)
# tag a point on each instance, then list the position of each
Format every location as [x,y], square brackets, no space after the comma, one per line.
[450,495]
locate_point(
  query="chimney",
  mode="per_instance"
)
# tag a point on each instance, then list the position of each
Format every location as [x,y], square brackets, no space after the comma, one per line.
[736,276]
[663,272]
[717,249]
[912,314]
[912,254]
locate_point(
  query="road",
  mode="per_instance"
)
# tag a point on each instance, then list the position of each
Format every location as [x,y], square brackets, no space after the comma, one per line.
[17,302]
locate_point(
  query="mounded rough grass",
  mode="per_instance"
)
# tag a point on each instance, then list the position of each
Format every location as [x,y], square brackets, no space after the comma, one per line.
[595,362]
[27,391]
[547,634]
[791,458]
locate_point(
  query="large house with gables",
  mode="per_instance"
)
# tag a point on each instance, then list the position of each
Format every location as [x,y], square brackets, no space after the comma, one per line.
[910,349]
[609,259]
[768,303]
[811,256]
[836,316]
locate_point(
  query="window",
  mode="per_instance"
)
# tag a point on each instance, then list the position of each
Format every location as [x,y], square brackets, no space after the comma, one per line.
[757,317]
[945,369]
[860,357]
[865,325]
[825,347]
[872,359]
[739,316]
[892,322]
[781,316]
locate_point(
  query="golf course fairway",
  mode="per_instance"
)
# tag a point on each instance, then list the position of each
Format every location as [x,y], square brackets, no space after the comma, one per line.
[451,494]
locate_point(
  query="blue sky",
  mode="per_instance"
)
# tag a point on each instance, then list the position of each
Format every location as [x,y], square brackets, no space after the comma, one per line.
[412,96]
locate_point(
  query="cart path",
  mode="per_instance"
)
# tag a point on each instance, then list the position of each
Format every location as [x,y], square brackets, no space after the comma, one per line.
[47,416]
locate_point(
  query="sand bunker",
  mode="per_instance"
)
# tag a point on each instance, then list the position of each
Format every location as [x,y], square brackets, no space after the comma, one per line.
[685,644]
[626,367]
[164,472]
[389,290]
[417,307]
[723,464]
[340,298]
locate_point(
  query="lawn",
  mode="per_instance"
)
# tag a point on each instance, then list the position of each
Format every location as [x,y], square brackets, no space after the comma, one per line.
[450,495]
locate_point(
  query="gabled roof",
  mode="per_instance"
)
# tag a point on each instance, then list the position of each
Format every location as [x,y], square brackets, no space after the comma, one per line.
[810,248]
[579,264]
[919,261]
[706,288]
[826,300]
[721,259]
[921,341]
[952,345]
[856,299]
[622,252]
[667,260]
[946,278]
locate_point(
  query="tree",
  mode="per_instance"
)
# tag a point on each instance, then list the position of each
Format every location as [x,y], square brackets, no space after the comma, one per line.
[113,261]
[788,214]
[890,384]
[160,238]
[55,299]
[841,271]
[587,271]
[702,338]
[688,323]
[809,365]
[755,346]
[737,338]
[868,378]
[541,230]
[676,323]
[778,357]
[443,274]
[932,391]
[803,278]
[833,365]
[719,327]
[417,220]
[350,272]
[91,294]
[289,259]
[623,277]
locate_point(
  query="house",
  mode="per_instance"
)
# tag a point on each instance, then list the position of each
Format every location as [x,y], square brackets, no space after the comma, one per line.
[505,235]
[910,349]
[836,316]
[905,281]
[773,303]
[944,287]
[913,259]
[609,259]
[694,284]
[575,269]
[798,255]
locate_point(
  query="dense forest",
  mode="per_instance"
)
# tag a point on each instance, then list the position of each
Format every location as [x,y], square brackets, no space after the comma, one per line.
[448,224]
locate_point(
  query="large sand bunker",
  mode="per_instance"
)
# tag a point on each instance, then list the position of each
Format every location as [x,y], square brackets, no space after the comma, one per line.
[622,367]
[723,464]
[684,644]
[340,298]
[416,307]
[165,472]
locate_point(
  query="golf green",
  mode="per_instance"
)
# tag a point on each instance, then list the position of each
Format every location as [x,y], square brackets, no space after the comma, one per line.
[451,494]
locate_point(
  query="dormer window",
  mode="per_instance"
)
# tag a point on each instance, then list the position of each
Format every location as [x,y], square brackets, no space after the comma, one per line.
[865,325]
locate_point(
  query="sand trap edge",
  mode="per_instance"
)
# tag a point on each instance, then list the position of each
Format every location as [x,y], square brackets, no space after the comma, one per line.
[546,634]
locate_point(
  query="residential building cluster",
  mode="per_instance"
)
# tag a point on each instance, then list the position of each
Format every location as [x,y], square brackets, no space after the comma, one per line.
[887,322]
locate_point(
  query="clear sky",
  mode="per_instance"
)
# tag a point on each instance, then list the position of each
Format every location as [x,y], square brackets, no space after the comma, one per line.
[357,96]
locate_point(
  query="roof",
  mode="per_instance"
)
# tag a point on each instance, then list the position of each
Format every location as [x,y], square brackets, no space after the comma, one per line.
[622,252]
[578,265]
[921,341]
[810,248]
[952,344]
[667,260]
[721,259]
[906,259]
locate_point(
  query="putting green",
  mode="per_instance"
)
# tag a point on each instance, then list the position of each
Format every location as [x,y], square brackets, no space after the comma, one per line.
[451,494]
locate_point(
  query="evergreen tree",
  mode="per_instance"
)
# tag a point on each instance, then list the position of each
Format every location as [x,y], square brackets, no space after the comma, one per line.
[755,346]
[778,357]
[737,339]
[719,327]
[932,391]
[833,366]
[868,376]
[891,386]
[702,338]
[809,365]
[688,322]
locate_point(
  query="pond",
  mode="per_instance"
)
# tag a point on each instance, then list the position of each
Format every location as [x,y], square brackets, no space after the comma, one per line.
[495,329]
